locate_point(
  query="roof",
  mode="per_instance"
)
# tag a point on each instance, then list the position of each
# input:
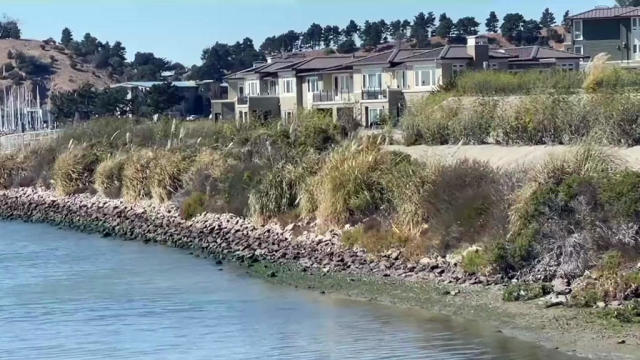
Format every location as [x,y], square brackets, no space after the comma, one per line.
[525,53]
[607,12]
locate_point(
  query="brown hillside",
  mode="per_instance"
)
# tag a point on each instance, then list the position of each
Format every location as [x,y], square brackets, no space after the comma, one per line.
[64,77]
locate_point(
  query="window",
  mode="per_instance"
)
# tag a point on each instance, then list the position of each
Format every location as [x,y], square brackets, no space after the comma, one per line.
[373,80]
[241,90]
[289,86]
[374,116]
[578,49]
[342,83]
[253,88]
[425,77]
[577,30]
[313,85]
[401,79]
[458,68]
[566,66]
[494,66]
[635,24]
[273,87]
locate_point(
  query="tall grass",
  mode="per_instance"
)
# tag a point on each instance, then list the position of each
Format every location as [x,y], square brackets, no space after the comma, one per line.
[73,170]
[108,177]
[500,83]
[136,175]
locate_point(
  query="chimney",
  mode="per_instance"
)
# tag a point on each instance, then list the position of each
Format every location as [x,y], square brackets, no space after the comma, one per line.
[478,48]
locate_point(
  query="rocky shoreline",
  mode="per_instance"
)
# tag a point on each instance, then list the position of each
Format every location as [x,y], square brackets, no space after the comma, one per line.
[223,236]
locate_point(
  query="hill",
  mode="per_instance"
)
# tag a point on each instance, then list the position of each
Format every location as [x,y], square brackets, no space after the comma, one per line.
[46,64]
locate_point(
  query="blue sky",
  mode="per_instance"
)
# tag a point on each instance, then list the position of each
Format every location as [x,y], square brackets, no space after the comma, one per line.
[180,29]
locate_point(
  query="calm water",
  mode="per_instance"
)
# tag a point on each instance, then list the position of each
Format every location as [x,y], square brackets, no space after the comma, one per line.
[66,295]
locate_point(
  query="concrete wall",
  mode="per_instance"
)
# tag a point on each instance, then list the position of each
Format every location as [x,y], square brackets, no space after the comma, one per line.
[608,36]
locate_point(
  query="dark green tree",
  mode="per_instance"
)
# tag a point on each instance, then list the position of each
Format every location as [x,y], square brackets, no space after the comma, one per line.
[312,38]
[348,46]
[9,29]
[566,22]
[67,37]
[111,102]
[466,26]
[547,19]
[492,22]
[628,2]
[331,35]
[351,30]
[512,26]
[163,97]
[147,67]
[530,34]
[286,42]
[371,34]
[445,26]
[421,28]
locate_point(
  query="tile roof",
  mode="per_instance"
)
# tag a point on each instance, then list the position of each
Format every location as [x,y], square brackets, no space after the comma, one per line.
[606,12]
[539,52]
[375,59]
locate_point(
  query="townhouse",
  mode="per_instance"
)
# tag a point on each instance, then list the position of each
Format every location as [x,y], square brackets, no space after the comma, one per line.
[372,88]
[612,30]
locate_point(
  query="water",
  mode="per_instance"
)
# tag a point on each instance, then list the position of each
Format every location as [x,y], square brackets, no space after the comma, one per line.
[66,295]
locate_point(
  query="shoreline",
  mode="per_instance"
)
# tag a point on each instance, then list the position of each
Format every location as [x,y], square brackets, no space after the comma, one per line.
[320,263]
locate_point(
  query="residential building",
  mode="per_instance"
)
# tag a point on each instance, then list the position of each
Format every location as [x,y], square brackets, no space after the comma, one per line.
[612,30]
[372,88]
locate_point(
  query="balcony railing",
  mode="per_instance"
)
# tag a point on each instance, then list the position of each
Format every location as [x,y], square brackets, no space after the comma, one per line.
[375,94]
[332,96]
[243,100]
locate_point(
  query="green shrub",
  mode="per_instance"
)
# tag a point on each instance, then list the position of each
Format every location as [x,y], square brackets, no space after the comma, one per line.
[277,192]
[108,178]
[526,292]
[136,175]
[374,240]
[628,313]
[73,170]
[316,131]
[491,83]
[475,262]
[194,205]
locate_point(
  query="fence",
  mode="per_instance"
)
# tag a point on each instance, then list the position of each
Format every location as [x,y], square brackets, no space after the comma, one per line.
[16,142]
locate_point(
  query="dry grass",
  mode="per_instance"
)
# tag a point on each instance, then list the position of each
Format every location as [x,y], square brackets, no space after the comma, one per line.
[73,170]
[108,178]
[166,175]
[136,175]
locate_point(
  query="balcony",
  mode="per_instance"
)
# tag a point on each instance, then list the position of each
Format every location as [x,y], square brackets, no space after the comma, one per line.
[243,100]
[332,97]
[375,94]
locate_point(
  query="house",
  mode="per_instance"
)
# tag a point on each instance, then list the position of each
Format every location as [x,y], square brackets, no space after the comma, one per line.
[612,30]
[369,88]
[196,94]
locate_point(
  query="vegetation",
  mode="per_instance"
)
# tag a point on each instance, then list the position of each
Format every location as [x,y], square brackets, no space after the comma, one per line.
[526,292]
[73,170]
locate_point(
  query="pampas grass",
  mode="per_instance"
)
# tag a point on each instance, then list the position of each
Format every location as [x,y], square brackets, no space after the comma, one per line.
[73,170]
[108,178]
[166,175]
[136,176]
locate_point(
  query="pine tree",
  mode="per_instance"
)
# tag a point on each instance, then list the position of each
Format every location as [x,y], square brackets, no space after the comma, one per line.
[492,22]
[445,26]
[547,19]
[67,37]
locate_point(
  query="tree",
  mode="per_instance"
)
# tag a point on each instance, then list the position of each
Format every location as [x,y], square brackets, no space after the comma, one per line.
[445,26]
[351,29]
[67,37]
[547,19]
[371,34]
[111,102]
[312,38]
[331,35]
[466,26]
[530,33]
[147,67]
[566,22]
[511,25]
[9,29]
[492,22]
[284,42]
[163,97]
[628,2]
[421,28]
[243,55]
[348,46]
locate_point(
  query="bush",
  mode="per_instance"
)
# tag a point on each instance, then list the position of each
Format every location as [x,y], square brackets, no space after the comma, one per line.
[73,170]
[193,206]
[374,240]
[136,175]
[314,130]
[108,179]
[526,292]
[475,262]
[31,65]
[10,166]
[491,83]
[166,174]
[210,173]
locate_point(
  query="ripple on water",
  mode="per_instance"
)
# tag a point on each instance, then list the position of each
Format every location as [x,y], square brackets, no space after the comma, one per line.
[66,295]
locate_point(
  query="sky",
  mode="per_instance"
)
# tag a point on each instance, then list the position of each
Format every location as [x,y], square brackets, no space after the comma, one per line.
[179,29]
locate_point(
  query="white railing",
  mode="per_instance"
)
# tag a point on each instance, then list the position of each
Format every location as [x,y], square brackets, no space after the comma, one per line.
[15,142]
